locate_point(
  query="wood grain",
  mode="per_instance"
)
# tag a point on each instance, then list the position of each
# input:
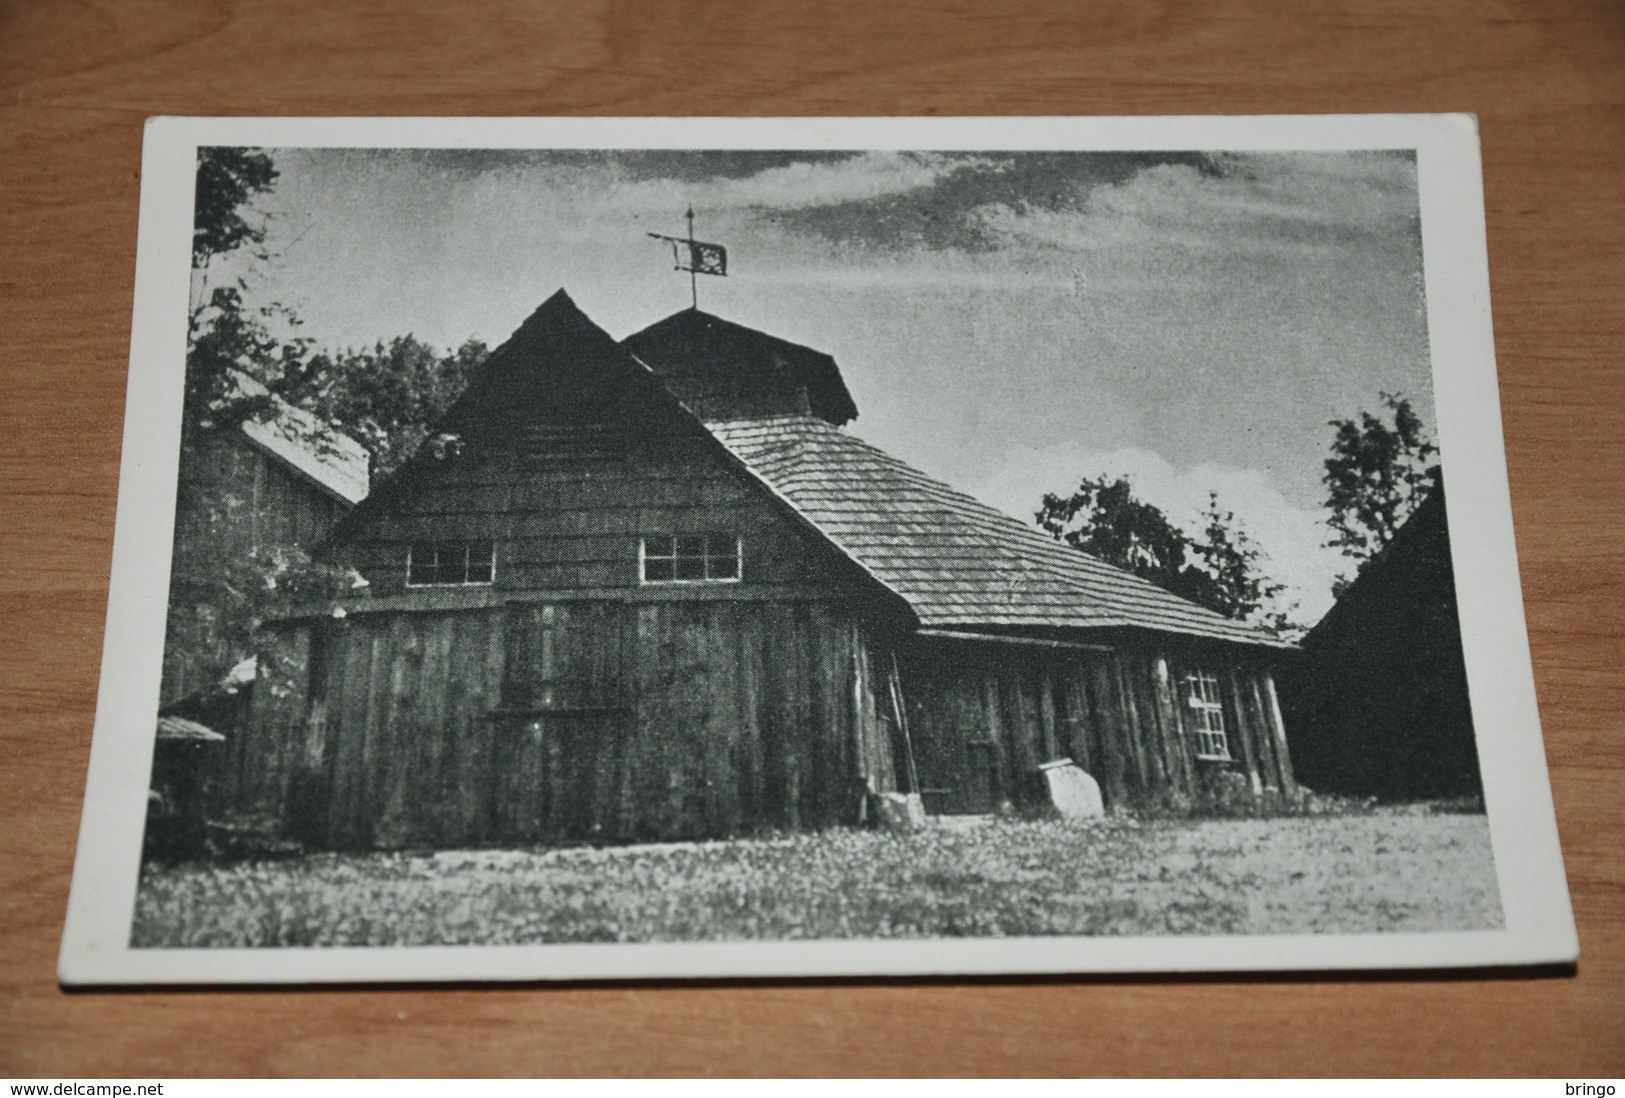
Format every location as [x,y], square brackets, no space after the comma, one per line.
[1548,82]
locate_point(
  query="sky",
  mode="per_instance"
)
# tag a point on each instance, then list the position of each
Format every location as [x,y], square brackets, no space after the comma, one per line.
[1008,322]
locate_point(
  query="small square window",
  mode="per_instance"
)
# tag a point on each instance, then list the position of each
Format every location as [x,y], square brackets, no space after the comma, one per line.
[691,558]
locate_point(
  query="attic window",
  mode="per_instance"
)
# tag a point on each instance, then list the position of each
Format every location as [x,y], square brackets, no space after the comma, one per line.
[450,563]
[1207,714]
[690,558]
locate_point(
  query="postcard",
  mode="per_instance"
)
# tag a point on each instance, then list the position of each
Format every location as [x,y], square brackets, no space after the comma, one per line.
[643,548]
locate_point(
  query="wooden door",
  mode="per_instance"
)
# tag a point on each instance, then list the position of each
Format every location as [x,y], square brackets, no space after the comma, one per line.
[563,727]
[957,751]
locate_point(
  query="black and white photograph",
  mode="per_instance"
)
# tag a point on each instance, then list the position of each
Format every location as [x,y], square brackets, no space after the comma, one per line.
[788,551]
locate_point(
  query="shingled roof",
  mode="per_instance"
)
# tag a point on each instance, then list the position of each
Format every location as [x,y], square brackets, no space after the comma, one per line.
[958,562]
[721,369]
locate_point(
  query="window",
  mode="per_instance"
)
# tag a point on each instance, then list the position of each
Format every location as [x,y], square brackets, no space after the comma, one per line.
[1202,696]
[450,563]
[690,558]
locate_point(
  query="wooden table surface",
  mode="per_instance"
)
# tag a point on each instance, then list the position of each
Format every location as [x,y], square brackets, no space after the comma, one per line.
[1548,83]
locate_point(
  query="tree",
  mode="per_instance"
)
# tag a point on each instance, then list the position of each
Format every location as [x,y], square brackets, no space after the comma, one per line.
[228,180]
[1239,588]
[387,397]
[1221,569]
[1378,473]
[224,334]
[218,592]
[1104,519]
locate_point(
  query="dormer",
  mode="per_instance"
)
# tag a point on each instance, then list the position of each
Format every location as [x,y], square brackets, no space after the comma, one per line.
[726,371]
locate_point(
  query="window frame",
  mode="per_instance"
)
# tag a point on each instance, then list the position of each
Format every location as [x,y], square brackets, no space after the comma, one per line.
[467,545]
[1212,743]
[674,556]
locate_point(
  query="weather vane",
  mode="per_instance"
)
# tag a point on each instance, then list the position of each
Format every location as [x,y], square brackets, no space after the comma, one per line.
[703,258]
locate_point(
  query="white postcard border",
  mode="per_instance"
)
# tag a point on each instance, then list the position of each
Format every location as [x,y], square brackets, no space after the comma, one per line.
[1539,919]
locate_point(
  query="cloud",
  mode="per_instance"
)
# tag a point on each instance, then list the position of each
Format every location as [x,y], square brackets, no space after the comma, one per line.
[1247,203]
[603,190]
[1291,536]
[862,178]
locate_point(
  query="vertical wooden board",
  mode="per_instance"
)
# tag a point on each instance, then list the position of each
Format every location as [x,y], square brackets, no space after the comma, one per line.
[401,727]
[1269,766]
[379,766]
[813,758]
[790,661]
[1080,719]
[643,674]
[993,720]
[743,762]
[1026,730]
[280,751]
[890,738]
[691,729]
[747,753]
[844,690]
[246,784]
[788,707]
[446,725]
[947,710]
[438,744]
[715,747]
[1289,777]
[1052,733]
[477,766]
[385,767]
[826,747]
[1115,720]
[1175,752]
[347,734]
[1235,711]
[324,816]
[1134,723]
[1098,710]
[542,805]
[1155,739]
[442,754]
[309,809]
[366,760]
[1252,717]
[676,693]
[1185,732]
[769,715]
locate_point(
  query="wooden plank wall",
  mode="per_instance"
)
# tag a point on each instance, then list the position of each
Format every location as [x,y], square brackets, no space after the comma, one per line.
[246,503]
[567,505]
[1121,715]
[536,722]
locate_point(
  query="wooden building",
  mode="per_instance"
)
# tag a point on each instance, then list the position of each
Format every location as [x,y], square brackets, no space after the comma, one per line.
[1378,698]
[278,480]
[653,590]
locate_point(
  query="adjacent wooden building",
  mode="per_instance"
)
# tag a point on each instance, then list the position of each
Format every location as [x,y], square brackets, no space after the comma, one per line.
[280,479]
[1378,698]
[652,589]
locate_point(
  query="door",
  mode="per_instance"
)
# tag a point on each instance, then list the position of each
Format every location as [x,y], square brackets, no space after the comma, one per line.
[956,738]
[562,729]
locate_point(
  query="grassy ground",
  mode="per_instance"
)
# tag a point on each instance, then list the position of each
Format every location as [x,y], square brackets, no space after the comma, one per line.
[1299,875]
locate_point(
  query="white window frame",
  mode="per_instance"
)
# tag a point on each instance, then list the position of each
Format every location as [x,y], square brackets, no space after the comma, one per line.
[644,557]
[468,546]
[1212,738]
